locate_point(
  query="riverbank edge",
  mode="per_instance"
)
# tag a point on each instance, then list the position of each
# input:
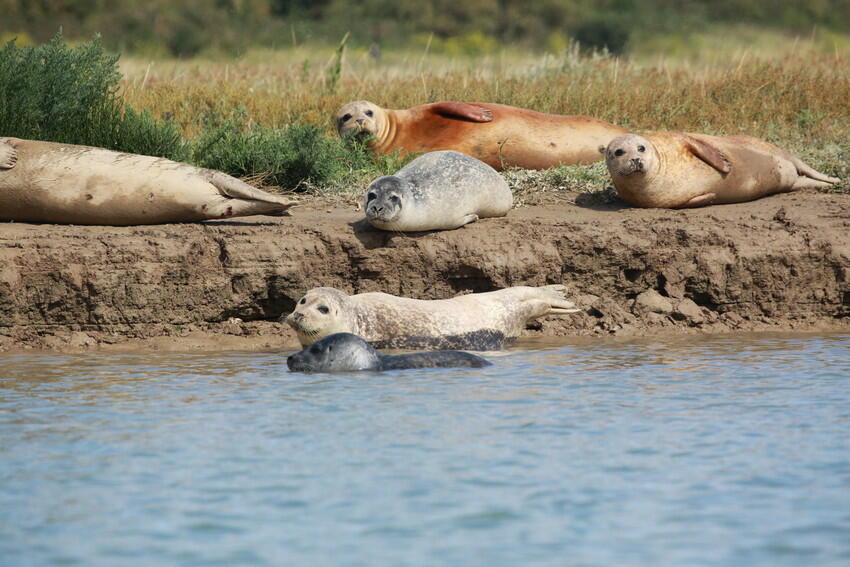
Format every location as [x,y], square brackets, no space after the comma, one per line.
[777,264]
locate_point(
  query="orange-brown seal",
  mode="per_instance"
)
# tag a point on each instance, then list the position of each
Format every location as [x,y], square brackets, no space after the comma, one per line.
[64,183]
[497,134]
[677,169]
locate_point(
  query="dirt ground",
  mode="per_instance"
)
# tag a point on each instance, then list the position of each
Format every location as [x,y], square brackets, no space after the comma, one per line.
[780,263]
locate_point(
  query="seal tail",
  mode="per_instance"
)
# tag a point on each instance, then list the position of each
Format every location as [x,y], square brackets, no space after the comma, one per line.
[260,202]
[558,303]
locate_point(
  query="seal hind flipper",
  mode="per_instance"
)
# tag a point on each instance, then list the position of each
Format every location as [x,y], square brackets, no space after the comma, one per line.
[805,170]
[235,189]
[709,154]
[558,303]
[462,111]
[8,155]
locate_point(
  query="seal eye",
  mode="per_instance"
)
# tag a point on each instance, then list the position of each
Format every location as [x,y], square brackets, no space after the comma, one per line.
[323,309]
[620,152]
[370,197]
[346,118]
[369,113]
[394,198]
[641,149]
[303,300]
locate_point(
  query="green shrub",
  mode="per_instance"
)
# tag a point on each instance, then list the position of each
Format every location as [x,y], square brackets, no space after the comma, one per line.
[286,157]
[60,94]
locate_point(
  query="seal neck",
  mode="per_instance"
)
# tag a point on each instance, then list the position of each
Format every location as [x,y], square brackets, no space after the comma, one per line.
[388,131]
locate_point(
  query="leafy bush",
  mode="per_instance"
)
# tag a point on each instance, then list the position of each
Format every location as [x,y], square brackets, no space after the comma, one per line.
[287,157]
[60,94]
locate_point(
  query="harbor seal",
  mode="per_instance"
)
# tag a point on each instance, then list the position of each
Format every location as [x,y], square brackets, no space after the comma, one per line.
[497,134]
[64,183]
[344,352]
[678,170]
[477,321]
[437,191]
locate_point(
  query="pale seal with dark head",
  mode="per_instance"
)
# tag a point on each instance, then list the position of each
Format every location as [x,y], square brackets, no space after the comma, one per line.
[499,135]
[345,352]
[677,169]
[63,183]
[437,191]
[477,321]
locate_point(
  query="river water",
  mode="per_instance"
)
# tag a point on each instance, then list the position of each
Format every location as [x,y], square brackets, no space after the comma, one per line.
[729,450]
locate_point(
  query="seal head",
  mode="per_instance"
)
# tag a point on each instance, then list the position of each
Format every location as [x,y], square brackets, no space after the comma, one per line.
[384,199]
[630,154]
[340,352]
[362,119]
[321,312]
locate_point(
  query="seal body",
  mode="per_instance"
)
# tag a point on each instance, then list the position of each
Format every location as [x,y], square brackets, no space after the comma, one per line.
[477,321]
[345,352]
[437,191]
[63,183]
[677,169]
[499,135]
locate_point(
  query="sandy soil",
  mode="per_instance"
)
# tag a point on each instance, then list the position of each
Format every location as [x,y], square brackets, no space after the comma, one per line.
[780,263]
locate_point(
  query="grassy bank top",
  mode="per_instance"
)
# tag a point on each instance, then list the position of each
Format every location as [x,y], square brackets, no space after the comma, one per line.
[268,115]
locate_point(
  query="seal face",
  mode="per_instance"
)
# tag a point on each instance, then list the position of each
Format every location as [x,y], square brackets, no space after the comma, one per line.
[345,352]
[335,353]
[437,191]
[64,183]
[383,199]
[630,155]
[362,119]
[499,135]
[477,321]
[678,169]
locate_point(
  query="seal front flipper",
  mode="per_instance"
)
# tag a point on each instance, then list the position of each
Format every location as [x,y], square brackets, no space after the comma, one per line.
[709,154]
[698,201]
[8,155]
[259,200]
[462,111]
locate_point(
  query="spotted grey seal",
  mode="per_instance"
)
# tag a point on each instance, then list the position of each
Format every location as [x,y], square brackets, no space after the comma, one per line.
[477,321]
[499,135]
[345,352]
[64,183]
[437,191]
[677,169]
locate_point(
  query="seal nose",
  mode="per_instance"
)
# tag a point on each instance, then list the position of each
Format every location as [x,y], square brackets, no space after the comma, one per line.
[360,121]
[637,163]
[297,316]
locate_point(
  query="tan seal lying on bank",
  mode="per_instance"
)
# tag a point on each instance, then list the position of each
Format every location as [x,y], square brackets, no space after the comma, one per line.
[676,169]
[64,183]
[497,134]
[477,321]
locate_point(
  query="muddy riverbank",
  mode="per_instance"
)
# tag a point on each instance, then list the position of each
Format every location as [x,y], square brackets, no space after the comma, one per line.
[781,263]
